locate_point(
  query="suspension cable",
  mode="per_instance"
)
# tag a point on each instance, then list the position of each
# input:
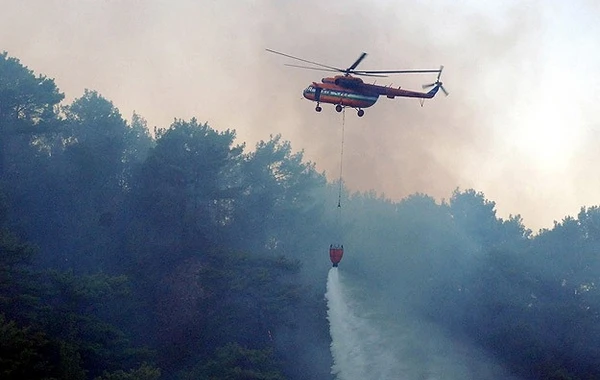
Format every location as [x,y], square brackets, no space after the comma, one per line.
[342,158]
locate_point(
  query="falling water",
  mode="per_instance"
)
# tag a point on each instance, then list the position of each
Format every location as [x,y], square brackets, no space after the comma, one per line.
[372,339]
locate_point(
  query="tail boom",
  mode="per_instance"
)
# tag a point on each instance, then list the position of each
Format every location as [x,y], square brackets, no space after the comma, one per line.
[393,92]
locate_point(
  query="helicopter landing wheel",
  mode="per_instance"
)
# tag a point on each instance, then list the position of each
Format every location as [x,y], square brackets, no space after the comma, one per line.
[318,108]
[339,108]
[360,113]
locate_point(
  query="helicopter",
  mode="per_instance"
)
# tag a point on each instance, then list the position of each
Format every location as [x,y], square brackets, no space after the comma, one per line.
[347,90]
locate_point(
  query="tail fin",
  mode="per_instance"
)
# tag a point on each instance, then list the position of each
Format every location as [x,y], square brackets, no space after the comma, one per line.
[433,91]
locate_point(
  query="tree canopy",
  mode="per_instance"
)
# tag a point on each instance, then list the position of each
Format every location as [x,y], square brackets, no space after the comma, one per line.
[184,254]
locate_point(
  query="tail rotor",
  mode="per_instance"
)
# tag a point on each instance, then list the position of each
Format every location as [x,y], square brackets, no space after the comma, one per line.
[437,83]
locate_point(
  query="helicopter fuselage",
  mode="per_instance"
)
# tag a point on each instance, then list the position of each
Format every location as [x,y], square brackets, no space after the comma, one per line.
[349,91]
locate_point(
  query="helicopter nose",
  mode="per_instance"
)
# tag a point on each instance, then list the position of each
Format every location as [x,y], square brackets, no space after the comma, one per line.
[307,92]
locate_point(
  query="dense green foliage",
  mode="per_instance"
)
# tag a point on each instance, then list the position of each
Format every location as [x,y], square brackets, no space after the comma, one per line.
[123,253]
[185,256]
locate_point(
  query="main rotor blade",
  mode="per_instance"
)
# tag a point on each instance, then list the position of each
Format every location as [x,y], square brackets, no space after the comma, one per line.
[395,71]
[369,75]
[332,71]
[357,62]
[443,89]
[311,68]
[306,61]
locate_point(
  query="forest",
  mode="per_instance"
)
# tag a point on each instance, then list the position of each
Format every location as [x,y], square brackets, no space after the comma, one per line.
[178,253]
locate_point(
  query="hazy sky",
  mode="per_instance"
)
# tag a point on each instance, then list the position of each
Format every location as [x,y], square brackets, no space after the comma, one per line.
[519,123]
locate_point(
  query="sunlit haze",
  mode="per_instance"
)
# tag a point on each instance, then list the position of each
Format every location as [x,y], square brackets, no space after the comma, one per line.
[519,124]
